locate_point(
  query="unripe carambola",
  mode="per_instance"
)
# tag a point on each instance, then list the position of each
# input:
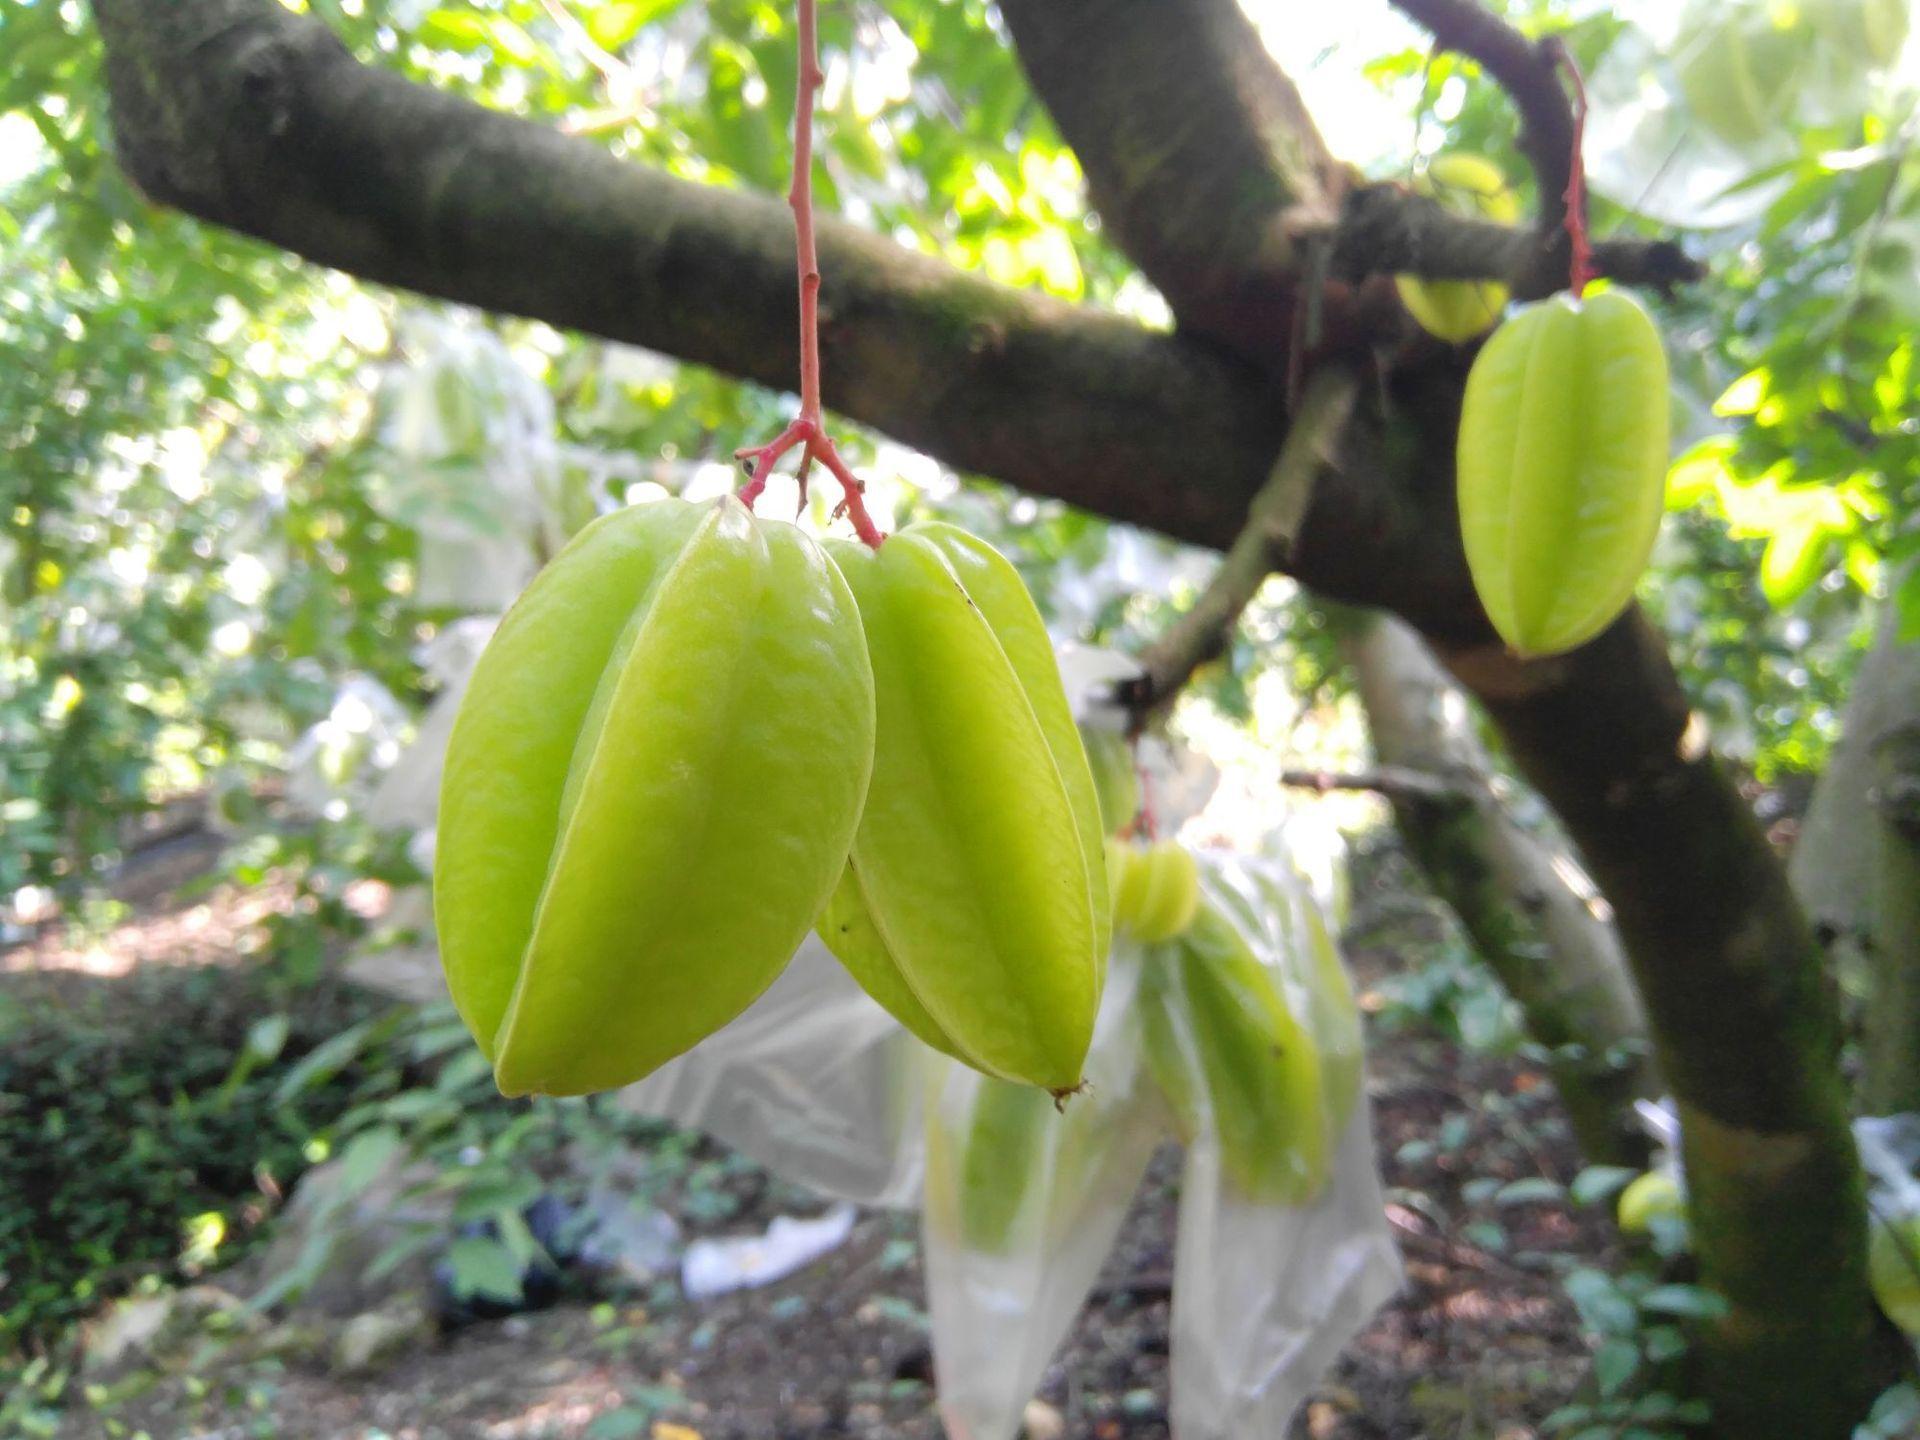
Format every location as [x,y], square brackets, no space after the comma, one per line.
[1004,1156]
[1649,1197]
[1458,310]
[650,790]
[975,905]
[1156,889]
[1562,467]
[1217,1032]
[1893,1267]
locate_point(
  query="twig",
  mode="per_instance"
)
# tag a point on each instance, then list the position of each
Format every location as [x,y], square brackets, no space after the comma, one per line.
[1387,230]
[1396,782]
[808,431]
[1264,545]
[1529,72]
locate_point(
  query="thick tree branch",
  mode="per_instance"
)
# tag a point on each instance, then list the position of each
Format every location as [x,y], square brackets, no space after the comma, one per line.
[1198,152]
[1745,1027]
[247,115]
[256,118]
[1209,173]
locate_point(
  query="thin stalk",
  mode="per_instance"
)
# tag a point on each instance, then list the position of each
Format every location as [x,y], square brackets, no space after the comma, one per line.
[808,431]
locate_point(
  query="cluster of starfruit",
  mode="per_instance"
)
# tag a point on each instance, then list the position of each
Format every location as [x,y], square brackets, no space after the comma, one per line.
[1251,1030]
[699,734]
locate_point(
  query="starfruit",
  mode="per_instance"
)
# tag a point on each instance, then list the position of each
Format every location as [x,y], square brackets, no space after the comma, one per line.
[1156,889]
[1004,1156]
[1258,1063]
[650,790]
[974,907]
[1562,467]
[1459,310]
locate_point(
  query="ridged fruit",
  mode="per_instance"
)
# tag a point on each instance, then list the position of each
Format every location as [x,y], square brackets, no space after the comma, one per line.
[1649,1197]
[650,790]
[1562,467]
[1460,310]
[1893,1266]
[1156,889]
[1003,1153]
[1227,1050]
[978,860]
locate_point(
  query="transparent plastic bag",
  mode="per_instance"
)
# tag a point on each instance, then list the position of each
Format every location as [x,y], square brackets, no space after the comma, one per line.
[814,1081]
[1023,1203]
[1266,1297]
[1266,1291]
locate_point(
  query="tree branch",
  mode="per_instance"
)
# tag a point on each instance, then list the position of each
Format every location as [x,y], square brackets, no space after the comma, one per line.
[1264,545]
[1745,1027]
[255,118]
[248,115]
[1198,152]
[1384,229]
[1394,782]
[1529,72]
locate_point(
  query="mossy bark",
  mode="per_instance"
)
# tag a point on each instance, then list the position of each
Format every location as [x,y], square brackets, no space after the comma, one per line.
[1890,1031]
[1856,866]
[1522,900]
[1746,1026]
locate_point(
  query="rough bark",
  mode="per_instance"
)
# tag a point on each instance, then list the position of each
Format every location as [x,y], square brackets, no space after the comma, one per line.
[253,117]
[1746,1029]
[1891,1034]
[1198,152]
[1858,874]
[1523,901]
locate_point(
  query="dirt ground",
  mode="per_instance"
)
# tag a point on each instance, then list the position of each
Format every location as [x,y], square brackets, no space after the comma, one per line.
[1482,1343]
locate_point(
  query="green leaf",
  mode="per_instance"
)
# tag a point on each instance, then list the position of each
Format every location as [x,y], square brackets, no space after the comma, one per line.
[1691,1302]
[614,26]
[366,1155]
[1614,1364]
[483,1267]
[1534,1190]
[1598,1183]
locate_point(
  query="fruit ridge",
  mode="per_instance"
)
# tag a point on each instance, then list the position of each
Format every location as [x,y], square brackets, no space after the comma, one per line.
[977,860]
[678,707]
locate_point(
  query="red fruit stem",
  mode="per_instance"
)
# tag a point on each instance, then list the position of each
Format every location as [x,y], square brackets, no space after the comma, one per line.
[1145,823]
[808,431]
[1581,271]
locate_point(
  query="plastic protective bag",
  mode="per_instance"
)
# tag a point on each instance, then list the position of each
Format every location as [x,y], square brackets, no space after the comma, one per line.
[1022,1202]
[814,1081]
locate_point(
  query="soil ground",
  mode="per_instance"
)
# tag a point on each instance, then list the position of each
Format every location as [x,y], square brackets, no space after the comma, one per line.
[1482,1343]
